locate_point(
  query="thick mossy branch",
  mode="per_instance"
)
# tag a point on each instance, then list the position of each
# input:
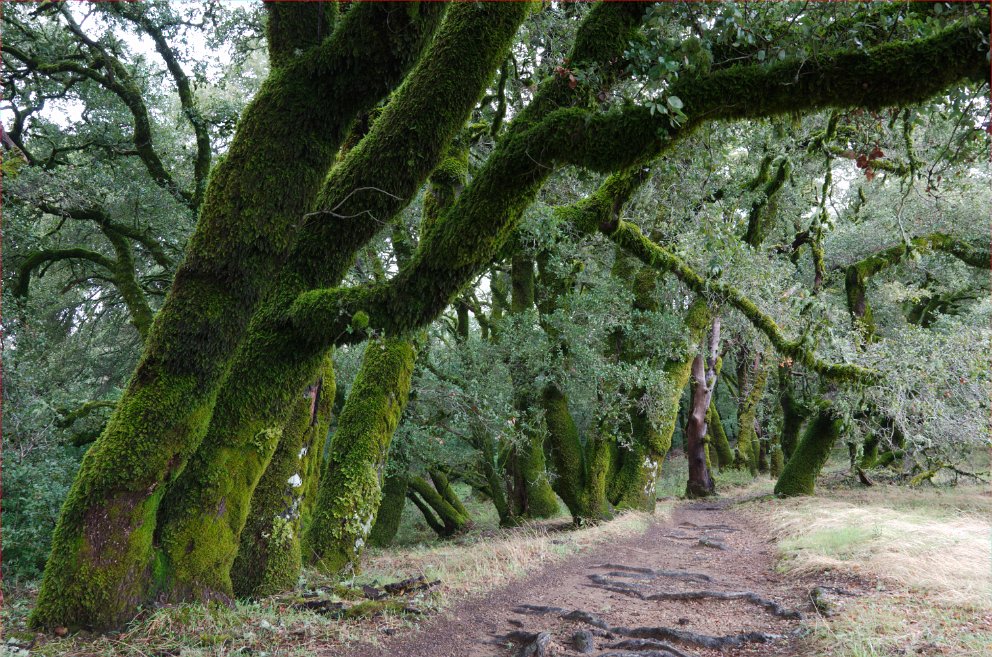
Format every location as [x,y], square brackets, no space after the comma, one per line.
[292,31]
[871,78]
[473,232]
[629,236]
[46,256]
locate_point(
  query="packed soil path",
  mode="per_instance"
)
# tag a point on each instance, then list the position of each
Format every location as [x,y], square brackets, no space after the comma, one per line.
[700,584]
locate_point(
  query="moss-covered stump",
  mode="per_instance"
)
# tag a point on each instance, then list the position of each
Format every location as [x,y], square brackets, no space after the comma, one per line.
[801,470]
[350,493]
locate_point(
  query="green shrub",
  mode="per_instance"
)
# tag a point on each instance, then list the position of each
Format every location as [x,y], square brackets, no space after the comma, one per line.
[34,487]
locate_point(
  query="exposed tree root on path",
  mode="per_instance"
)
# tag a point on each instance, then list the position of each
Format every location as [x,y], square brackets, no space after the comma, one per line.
[749,596]
[662,633]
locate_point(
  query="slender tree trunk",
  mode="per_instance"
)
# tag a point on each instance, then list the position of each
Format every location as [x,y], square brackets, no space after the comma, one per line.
[350,493]
[531,493]
[748,447]
[705,369]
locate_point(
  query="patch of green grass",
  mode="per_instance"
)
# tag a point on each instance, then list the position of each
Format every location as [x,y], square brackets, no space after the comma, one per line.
[840,543]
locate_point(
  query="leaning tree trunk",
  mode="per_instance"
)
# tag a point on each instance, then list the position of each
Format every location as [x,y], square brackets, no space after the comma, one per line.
[800,472]
[350,493]
[387,518]
[274,363]
[103,564]
[439,505]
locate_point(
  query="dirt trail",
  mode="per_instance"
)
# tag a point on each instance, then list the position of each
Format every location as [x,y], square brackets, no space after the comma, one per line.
[658,594]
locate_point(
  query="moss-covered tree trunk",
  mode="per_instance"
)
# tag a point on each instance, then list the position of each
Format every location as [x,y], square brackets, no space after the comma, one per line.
[718,438]
[103,564]
[272,364]
[489,463]
[581,470]
[530,491]
[748,446]
[269,554]
[350,492]
[793,413]
[390,512]
[803,467]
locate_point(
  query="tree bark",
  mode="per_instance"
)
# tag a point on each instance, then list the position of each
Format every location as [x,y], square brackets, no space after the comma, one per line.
[103,565]
[705,370]
[800,472]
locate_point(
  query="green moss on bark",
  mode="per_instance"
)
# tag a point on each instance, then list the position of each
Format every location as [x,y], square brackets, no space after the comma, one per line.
[718,438]
[748,445]
[350,492]
[285,142]
[390,512]
[269,554]
[803,467]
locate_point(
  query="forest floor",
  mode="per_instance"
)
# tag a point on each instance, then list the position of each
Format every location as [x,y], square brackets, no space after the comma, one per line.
[893,571]
[599,603]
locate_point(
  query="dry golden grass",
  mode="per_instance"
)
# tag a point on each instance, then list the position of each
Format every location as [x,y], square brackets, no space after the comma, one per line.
[942,548]
[929,551]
